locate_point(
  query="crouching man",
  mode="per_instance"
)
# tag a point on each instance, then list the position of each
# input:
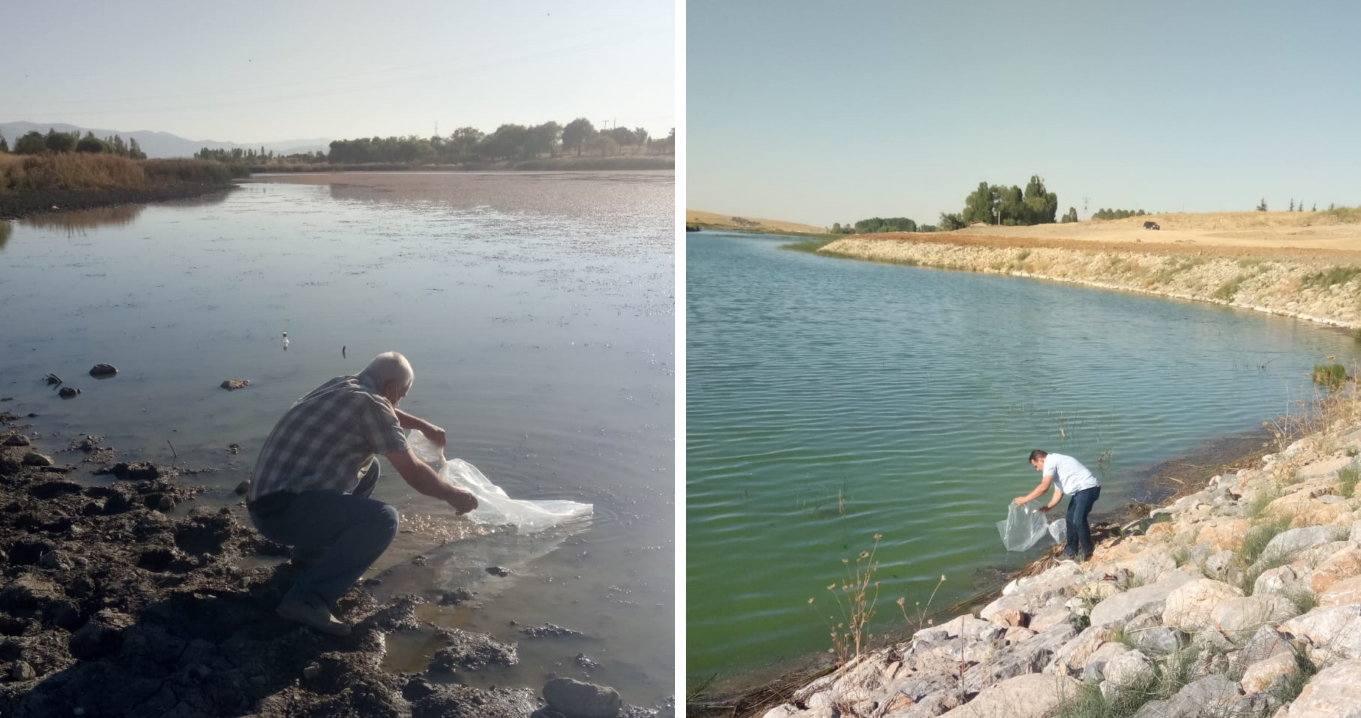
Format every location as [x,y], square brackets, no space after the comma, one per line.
[311,485]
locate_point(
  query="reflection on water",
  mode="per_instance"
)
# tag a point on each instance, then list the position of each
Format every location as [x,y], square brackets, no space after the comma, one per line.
[542,340]
[77,222]
[5,229]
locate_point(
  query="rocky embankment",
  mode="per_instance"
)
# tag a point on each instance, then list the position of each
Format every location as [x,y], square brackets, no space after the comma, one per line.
[116,602]
[1242,599]
[1317,290]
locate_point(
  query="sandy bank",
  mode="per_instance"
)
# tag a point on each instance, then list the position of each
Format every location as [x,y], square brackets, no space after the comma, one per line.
[116,601]
[710,220]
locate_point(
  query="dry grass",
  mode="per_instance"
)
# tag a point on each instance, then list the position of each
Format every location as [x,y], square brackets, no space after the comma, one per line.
[70,171]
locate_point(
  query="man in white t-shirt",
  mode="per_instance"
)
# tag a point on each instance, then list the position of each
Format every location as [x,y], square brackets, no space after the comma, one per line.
[1068,476]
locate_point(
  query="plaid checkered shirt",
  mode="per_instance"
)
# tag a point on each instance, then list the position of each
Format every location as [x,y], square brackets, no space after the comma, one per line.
[326,439]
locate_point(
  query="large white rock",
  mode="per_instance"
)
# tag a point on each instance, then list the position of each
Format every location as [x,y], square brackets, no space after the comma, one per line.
[1283,580]
[1336,630]
[1125,606]
[1210,697]
[1294,540]
[1334,693]
[1344,591]
[1241,617]
[1028,696]
[1189,605]
[1259,675]
[1033,593]
[1342,565]
[1128,669]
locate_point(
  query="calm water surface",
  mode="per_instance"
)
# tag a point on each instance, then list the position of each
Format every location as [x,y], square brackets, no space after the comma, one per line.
[829,400]
[541,333]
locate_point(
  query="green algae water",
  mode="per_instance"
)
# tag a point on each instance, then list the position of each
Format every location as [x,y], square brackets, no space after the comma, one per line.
[830,400]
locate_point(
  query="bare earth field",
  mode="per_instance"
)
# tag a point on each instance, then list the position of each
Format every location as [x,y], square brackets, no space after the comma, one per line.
[1263,234]
[709,220]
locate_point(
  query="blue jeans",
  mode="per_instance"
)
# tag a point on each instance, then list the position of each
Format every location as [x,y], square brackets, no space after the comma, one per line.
[340,536]
[1079,531]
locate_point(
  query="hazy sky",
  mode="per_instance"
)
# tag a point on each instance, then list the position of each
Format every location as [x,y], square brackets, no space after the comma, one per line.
[824,112]
[260,71]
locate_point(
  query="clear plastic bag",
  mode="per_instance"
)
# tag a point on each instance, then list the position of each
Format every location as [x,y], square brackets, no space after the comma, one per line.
[1024,527]
[493,505]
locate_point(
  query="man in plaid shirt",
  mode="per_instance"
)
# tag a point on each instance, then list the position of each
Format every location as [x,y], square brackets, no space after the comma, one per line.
[308,492]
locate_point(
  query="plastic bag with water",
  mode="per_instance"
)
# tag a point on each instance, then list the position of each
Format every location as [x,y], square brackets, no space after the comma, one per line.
[493,505]
[1024,527]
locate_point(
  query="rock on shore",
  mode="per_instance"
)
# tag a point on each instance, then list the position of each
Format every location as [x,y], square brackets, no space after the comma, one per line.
[109,607]
[1298,288]
[1247,602]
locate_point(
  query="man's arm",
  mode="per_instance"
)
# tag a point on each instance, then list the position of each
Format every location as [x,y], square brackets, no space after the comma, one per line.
[432,432]
[1038,492]
[423,479]
[1058,496]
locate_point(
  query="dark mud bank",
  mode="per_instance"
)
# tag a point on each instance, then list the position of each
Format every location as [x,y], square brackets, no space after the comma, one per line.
[21,204]
[110,607]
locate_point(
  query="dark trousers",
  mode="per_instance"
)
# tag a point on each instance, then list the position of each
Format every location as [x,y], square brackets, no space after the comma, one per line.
[337,536]
[1079,531]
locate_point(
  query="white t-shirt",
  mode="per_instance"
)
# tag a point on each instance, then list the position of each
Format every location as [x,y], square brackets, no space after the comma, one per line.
[1070,473]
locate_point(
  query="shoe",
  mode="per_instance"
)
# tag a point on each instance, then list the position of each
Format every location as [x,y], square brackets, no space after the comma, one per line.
[313,616]
[1068,558]
[1084,558]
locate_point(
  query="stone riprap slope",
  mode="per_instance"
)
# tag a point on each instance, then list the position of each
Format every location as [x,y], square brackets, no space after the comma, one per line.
[1326,289]
[1243,599]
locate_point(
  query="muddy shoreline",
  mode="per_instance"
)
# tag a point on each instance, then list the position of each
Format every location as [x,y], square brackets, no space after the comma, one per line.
[750,692]
[115,601]
[22,204]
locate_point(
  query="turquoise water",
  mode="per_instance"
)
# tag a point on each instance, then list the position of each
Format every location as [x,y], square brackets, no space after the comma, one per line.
[829,400]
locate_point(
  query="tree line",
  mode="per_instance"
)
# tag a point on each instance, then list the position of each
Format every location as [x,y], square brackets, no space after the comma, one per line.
[508,142]
[36,143]
[988,204]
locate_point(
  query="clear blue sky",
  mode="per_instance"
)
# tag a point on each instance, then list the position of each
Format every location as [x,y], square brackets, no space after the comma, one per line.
[259,71]
[822,112]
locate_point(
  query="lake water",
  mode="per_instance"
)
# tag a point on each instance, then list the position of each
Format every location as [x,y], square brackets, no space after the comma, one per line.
[538,311]
[829,400]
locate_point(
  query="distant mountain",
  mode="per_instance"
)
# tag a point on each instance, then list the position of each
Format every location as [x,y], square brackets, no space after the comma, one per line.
[164,144]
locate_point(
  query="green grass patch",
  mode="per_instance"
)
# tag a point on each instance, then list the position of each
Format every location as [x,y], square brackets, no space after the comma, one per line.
[1181,556]
[1229,289]
[1295,682]
[1256,508]
[1330,277]
[1256,539]
[1304,599]
[1343,214]
[1346,480]
[1332,376]
[810,246]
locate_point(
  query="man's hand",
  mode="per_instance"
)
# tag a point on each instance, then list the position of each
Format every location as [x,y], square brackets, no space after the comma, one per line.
[463,501]
[1020,501]
[434,434]
[1044,509]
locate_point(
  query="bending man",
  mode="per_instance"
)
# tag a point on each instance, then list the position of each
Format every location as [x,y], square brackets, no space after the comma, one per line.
[312,483]
[1080,484]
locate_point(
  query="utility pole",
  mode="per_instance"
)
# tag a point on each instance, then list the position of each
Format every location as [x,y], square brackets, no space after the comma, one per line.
[1084,205]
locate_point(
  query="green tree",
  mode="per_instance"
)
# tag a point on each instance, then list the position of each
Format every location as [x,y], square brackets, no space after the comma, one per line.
[1070,217]
[60,141]
[950,222]
[90,143]
[135,152]
[642,136]
[603,144]
[4,146]
[836,228]
[31,143]
[1261,206]
[464,140]
[1041,205]
[575,134]
[543,139]
[978,207]
[1292,205]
